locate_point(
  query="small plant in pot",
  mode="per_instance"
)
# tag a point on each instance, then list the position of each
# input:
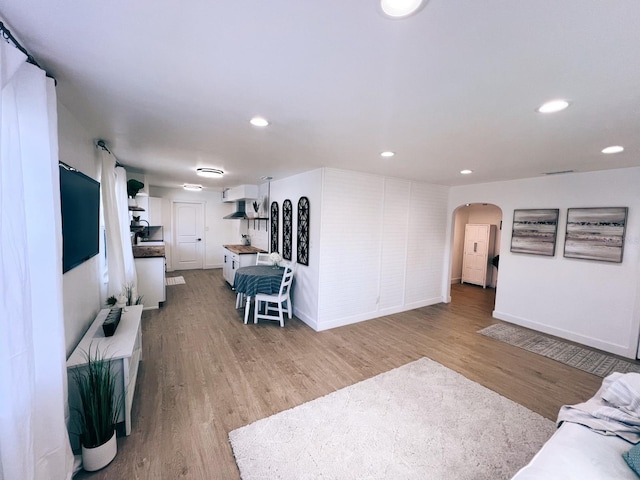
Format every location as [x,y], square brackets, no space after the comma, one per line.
[133,187]
[98,410]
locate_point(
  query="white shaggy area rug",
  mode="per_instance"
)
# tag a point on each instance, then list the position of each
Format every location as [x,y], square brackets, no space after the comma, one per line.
[419,421]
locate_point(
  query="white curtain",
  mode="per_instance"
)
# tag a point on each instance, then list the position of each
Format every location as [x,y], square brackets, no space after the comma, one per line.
[121,269]
[34,443]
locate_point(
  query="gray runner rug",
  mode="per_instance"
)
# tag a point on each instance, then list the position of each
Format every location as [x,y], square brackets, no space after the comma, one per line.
[597,363]
[174,281]
[419,421]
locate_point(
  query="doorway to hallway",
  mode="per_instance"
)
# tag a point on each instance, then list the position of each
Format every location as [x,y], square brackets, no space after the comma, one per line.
[483,214]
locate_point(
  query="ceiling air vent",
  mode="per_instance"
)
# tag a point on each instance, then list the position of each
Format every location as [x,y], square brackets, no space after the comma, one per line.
[561,172]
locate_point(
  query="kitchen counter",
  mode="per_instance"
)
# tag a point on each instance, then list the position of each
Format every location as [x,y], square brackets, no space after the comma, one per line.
[148,249]
[149,260]
[243,249]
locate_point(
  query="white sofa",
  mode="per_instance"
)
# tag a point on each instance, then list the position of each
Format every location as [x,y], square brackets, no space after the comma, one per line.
[578,451]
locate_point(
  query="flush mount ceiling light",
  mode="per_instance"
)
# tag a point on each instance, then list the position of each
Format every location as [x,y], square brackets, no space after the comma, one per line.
[387,154]
[613,149]
[553,106]
[191,187]
[466,171]
[401,8]
[210,172]
[258,122]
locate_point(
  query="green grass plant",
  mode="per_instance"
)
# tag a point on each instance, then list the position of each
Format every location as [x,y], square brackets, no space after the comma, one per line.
[99,409]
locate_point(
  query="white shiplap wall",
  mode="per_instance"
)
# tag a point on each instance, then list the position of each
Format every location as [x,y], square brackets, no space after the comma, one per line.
[395,231]
[350,245]
[426,244]
[382,246]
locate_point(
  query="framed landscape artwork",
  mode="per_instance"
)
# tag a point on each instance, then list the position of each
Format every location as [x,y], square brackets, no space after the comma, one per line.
[595,233]
[534,231]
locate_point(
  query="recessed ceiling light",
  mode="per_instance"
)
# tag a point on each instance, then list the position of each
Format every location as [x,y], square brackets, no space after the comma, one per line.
[553,106]
[400,8]
[613,149]
[210,172]
[387,154]
[466,172]
[259,122]
[192,187]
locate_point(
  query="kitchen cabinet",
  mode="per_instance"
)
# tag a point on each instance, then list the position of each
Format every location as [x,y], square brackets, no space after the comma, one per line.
[233,261]
[155,211]
[150,271]
[241,192]
[478,252]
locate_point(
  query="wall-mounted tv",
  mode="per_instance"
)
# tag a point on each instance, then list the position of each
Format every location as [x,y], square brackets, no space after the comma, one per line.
[80,205]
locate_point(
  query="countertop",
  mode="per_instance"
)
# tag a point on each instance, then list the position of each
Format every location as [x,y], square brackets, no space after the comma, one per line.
[242,249]
[148,249]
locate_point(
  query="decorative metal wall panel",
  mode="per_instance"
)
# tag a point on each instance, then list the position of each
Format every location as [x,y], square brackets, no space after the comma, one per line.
[287,229]
[274,226]
[303,231]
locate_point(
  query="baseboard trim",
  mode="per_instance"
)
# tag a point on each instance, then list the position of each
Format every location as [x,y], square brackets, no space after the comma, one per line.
[628,352]
[341,322]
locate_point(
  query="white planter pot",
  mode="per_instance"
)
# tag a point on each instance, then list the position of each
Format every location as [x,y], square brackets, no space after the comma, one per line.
[99,457]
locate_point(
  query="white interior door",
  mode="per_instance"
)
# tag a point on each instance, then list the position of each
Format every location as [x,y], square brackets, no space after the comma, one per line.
[188,220]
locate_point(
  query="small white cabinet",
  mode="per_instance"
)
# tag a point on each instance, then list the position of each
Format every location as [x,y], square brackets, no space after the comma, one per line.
[125,350]
[151,285]
[478,246]
[233,261]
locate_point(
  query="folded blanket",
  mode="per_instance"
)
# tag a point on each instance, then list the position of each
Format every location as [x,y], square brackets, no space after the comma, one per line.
[613,410]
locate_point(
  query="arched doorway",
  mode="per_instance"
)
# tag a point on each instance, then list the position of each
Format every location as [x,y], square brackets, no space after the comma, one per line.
[475,213]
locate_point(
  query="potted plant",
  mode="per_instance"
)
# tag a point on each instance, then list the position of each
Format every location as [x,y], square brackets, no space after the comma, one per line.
[133,187]
[256,208]
[98,410]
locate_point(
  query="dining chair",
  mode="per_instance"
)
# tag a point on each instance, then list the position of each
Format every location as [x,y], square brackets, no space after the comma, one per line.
[261,259]
[274,304]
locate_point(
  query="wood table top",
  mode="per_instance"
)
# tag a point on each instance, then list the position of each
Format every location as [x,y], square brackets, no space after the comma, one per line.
[243,249]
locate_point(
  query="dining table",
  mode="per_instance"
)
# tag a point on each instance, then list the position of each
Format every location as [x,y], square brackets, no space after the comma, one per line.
[257,279]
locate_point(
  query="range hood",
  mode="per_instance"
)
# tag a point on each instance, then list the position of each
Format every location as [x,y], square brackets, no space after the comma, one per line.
[240,211]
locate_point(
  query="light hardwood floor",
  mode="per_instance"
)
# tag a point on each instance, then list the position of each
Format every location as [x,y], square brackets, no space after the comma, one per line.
[204,373]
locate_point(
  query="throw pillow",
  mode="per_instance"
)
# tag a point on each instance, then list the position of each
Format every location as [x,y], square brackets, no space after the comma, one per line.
[624,393]
[632,457]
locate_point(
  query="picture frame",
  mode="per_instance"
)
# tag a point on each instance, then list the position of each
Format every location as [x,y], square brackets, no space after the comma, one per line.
[596,233]
[534,231]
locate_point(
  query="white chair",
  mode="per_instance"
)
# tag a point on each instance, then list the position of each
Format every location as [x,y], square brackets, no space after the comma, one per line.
[263,259]
[275,303]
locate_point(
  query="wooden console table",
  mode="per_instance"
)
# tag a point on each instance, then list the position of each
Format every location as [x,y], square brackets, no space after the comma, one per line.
[124,348]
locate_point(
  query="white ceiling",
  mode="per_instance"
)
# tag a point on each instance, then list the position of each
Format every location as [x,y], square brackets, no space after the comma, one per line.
[171,86]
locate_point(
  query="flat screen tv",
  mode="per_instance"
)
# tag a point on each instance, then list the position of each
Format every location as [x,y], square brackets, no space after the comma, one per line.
[80,205]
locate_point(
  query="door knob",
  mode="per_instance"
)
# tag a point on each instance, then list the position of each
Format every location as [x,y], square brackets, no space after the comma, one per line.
[199,239]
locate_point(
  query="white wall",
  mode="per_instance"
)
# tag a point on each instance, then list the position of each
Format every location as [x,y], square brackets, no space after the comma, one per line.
[83,290]
[594,303]
[381,249]
[217,230]
[258,230]
[305,291]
